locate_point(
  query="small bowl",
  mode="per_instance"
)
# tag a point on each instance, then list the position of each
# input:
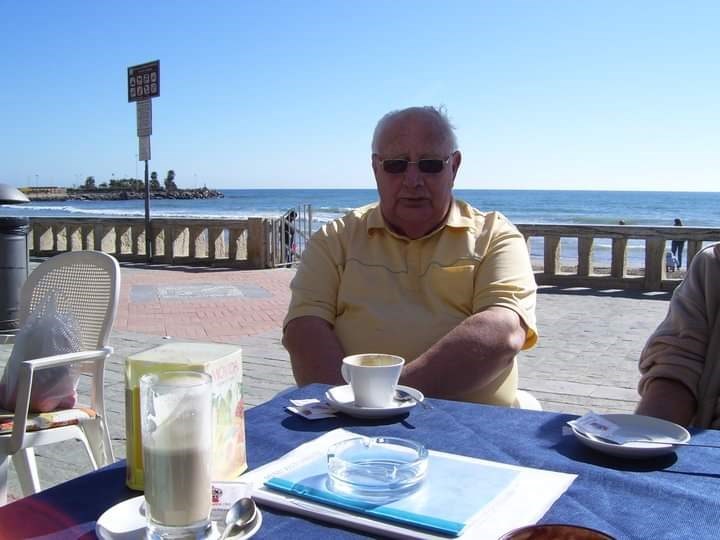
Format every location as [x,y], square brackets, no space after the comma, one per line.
[555,531]
[376,467]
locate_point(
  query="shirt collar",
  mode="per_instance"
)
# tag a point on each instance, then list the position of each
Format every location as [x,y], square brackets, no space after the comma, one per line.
[458,218]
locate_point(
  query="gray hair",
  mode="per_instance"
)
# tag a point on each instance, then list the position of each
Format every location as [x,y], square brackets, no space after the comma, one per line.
[439,113]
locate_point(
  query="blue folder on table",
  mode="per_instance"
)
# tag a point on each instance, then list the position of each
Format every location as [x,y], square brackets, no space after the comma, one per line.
[454,491]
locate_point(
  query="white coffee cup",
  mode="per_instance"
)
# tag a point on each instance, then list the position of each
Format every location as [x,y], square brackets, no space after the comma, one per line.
[373,377]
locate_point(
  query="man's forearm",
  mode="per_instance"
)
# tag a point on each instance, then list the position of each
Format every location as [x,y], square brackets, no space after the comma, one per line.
[669,400]
[469,356]
[315,351]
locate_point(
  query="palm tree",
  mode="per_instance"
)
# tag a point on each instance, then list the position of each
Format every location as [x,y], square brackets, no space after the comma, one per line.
[154,183]
[170,181]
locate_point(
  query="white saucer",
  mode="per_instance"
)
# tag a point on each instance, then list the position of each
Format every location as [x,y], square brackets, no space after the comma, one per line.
[127,521]
[635,427]
[342,399]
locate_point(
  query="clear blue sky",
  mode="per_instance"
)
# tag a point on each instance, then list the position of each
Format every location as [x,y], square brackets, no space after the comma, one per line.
[575,94]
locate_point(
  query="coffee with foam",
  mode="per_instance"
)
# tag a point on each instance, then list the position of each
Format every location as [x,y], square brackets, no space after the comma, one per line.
[177,451]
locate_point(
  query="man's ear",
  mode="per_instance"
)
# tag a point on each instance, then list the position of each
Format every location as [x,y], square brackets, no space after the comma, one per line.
[455,159]
[375,170]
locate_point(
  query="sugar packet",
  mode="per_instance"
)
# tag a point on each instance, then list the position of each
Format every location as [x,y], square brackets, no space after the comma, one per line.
[596,424]
[311,409]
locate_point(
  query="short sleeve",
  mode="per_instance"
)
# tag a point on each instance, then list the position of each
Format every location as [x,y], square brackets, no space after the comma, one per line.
[314,288]
[505,276]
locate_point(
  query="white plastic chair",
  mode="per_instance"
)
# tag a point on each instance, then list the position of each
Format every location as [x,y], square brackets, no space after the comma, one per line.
[88,283]
[525,400]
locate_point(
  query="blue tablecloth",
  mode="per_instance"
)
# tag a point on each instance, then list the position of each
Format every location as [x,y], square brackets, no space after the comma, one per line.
[676,496]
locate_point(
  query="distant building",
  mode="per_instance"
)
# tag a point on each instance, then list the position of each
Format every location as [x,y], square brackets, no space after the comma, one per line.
[45,193]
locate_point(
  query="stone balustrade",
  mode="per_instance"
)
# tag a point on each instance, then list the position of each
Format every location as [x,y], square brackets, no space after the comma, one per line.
[567,253]
[583,270]
[240,243]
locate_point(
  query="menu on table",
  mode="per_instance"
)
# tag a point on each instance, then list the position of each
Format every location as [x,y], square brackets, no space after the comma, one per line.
[460,496]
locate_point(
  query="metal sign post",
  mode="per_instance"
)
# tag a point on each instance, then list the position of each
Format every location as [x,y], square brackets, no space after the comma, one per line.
[143,85]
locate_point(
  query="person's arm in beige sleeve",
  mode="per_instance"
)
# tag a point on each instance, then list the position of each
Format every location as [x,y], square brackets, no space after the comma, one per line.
[674,356]
[315,351]
[469,356]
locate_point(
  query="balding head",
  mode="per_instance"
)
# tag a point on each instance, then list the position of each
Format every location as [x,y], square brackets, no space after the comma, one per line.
[445,129]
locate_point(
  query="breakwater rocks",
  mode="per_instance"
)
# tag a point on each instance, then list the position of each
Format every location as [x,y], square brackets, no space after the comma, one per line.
[59,194]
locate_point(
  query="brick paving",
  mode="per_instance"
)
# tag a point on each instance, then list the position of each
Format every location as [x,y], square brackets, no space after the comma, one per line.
[202,304]
[586,357]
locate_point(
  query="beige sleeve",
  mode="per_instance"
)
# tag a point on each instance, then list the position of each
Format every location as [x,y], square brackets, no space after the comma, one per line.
[677,348]
[505,276]
[315,285]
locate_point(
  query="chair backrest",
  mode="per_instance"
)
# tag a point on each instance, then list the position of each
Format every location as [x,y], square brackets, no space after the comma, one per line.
[86,285]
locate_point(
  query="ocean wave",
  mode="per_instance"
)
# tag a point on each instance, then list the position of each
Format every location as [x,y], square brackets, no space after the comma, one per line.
[336,211]
[55,211]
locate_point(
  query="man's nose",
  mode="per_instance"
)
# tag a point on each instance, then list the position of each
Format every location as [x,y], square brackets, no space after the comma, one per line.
[413,177]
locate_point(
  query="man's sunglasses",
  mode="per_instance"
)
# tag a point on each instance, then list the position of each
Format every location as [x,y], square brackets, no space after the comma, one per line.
[428,166]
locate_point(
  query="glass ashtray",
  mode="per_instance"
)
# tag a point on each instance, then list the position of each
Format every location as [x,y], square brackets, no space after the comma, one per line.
[378,467]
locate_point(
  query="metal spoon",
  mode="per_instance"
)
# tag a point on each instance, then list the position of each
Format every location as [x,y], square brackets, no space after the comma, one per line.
[240,515]
[402,395]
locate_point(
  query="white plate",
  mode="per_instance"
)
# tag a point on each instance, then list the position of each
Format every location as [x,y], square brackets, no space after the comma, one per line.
[636,427]
[342,399]
[127,521]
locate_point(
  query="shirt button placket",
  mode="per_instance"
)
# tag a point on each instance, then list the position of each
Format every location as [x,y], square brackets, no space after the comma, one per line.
[413,265]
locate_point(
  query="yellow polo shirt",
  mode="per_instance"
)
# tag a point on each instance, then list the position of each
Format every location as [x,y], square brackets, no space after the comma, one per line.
[386,293]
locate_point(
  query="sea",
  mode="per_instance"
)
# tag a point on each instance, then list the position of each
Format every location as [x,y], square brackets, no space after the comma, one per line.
[579,207]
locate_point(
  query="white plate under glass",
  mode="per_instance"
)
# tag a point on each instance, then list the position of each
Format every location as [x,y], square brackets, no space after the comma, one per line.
[127,521]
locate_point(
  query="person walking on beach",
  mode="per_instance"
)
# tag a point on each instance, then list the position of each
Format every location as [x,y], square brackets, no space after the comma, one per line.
[418,274]
[676,246]
[680,363]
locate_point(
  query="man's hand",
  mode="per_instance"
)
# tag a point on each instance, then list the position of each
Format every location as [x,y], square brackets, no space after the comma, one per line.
[668,399]
[469,356]
[315,351]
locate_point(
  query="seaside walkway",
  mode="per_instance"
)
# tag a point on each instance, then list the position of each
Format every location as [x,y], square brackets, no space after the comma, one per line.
[586,357]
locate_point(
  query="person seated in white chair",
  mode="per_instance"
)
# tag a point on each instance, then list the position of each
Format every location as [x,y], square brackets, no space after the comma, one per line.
[420,274]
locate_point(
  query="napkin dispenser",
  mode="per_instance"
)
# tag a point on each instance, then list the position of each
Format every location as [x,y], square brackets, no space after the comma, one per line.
[224,364]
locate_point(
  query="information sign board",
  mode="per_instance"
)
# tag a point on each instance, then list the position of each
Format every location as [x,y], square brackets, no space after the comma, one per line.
[144,81]
[144,149]
[144,118]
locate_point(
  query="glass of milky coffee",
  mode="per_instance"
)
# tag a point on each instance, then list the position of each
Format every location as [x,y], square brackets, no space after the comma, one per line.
[176,410]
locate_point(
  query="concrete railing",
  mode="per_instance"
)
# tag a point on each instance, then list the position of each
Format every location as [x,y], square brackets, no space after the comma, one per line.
[241,243]
[256,243]
[583,270]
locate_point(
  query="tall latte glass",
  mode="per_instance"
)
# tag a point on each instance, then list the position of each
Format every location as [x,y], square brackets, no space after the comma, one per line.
[176,412]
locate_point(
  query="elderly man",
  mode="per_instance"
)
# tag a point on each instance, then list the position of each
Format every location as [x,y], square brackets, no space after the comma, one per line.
[419,274]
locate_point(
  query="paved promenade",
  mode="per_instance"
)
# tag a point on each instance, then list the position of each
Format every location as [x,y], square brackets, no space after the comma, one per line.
[586,357]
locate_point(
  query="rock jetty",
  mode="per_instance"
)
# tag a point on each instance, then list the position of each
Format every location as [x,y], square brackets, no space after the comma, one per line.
[61,194]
